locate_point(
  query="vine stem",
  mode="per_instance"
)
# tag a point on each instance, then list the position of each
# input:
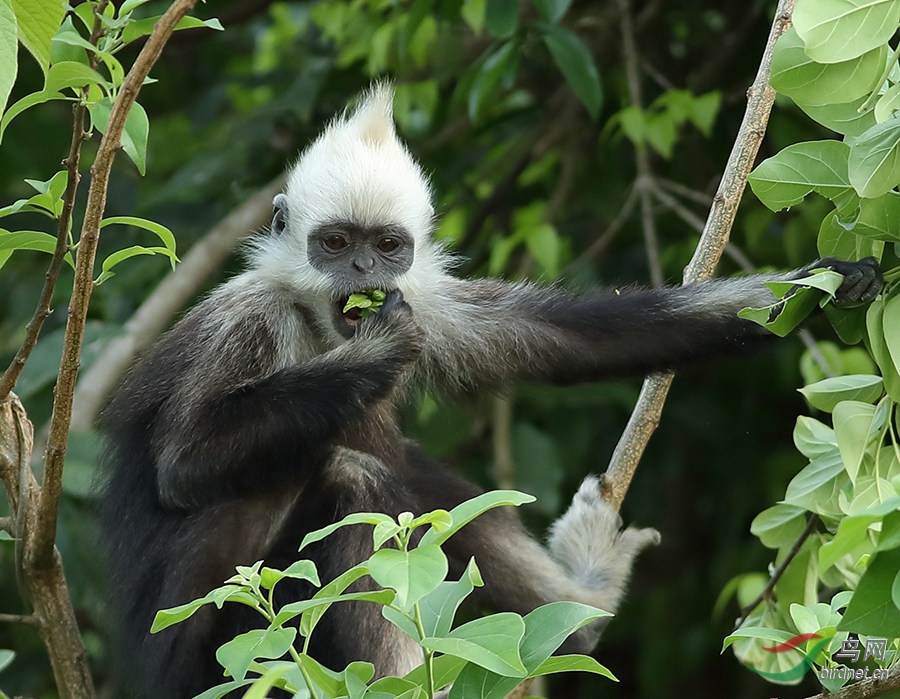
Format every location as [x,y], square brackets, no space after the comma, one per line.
[648,409]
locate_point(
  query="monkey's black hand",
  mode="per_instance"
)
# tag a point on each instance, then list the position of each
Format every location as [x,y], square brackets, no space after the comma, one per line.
[394,323]
[862,280]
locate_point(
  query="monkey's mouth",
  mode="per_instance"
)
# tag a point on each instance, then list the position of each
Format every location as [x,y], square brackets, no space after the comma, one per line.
[346,321]
[352,316]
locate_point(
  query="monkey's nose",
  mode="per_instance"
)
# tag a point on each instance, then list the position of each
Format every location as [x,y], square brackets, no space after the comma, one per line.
[364,264]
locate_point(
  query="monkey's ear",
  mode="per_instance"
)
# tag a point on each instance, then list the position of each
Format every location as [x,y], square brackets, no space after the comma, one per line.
[279,220]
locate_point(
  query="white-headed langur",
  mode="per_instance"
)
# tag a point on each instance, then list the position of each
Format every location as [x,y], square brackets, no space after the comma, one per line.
[268,412]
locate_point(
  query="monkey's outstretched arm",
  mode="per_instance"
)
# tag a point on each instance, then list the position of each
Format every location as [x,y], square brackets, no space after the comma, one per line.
[486,332]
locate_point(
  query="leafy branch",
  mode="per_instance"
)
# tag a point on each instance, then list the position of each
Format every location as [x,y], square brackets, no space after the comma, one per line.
[648,409]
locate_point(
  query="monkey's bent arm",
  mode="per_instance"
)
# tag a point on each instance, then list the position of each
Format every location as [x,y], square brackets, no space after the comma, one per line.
[486,332]
[227,422]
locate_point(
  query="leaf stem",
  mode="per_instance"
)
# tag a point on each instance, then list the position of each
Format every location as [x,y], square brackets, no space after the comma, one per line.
[428,654]
[309,683]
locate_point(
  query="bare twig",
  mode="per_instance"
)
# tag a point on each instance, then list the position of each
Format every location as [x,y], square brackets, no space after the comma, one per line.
[646,414]
[172,295]
[810,527]
[504,466]
[18,619]
[33,329]
[602,242]
[866,689]
[41,550]
[641,156]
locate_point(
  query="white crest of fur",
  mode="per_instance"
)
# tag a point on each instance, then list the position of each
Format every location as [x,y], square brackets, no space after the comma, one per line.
[357,170]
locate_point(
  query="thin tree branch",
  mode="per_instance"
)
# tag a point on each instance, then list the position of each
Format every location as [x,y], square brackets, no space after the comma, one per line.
[41,550]
[64,223]
[504,466]
[866,689]
[641,155]
[604,239]
[646,414]
[687,192]
[175,291]
[18,619]
[810,527]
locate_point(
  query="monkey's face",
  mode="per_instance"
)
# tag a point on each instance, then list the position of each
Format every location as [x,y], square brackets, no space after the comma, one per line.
[358,258]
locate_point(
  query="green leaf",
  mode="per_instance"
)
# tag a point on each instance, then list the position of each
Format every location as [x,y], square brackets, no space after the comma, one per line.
[412,574]
[872,610]
[813,438]
[837,30]
[877,331]
[337,586]
[826,394]
[237,654]
[30,240]
[796,75]
[501,17]
[21,105]
[852,531]
[576,63]
[878,219]
[446,670]
[465,512]
[816,486]
[262,684]
[438,608]
[318,604]
[221,690]
[887,104]
[127,253]
[787,178]
[572,663]
[491,642]
[487,79]
[6,657]
[298,570]
[855,426]
[143,27]
[545,247]
[778,525]
[765,634]
[845,118]
[891,326]
[351,519]
[134,136]
[890,532]
[548,626]
[164,234]
[38,21]
[552,10]
[71,74]
[8,52]
[874,162]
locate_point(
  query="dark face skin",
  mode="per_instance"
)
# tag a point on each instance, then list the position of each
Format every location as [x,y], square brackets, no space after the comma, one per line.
[355,258]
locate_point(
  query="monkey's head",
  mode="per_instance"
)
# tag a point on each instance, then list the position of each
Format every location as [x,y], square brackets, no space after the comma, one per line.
[356,213]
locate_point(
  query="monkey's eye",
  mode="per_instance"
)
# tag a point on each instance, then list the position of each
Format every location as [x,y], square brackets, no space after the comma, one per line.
[335,242]
[387,244]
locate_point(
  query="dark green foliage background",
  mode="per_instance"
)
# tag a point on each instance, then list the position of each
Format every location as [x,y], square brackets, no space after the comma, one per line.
[232,109]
